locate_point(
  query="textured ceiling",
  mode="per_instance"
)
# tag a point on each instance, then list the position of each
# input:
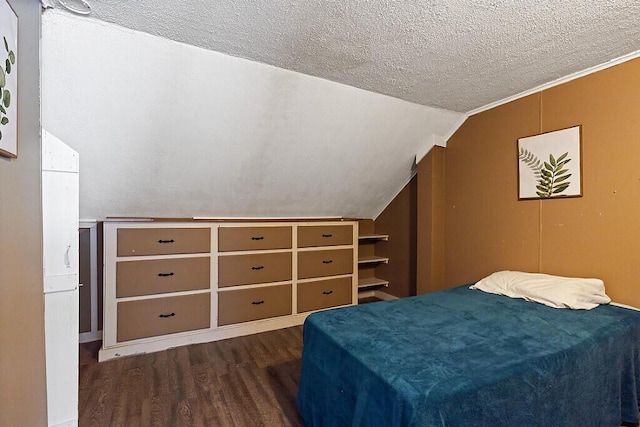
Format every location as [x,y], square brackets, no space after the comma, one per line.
[454,54]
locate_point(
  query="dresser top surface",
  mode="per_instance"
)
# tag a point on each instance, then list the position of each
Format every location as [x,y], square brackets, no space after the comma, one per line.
[226,219]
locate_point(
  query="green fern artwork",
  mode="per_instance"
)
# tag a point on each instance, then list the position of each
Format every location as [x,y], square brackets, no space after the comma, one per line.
[5,93]
[552,176]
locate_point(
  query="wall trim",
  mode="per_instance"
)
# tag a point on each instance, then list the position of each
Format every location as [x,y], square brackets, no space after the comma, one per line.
[556,82]
[630,307]
[440,141]
[414,172]
[455,128]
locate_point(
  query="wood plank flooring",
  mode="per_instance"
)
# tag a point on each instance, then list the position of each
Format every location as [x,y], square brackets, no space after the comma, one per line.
[242,382]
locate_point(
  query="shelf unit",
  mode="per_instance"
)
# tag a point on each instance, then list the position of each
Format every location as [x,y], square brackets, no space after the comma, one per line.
[171,283]
[370,256]
[370,282]
[373,259]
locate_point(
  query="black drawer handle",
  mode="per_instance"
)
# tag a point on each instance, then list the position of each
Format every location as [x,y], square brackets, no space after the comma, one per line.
[327,261]
[166,241]
[258,302]
[327,235]
[257,238]
[164,316]
[260,267]
[166,274]
[327,292]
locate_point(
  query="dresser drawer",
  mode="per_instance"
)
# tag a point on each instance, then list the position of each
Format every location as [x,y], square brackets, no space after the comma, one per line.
[134,278]
[324,294]
[163,241]
[325,263]
[160,316]
[253,238]
[244,305]
[253,268]
[324,235]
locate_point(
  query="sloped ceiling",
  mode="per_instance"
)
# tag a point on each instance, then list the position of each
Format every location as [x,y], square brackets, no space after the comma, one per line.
[167,129]
[453,54]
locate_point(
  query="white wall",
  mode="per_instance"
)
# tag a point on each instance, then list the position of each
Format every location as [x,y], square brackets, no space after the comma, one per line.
[168,129]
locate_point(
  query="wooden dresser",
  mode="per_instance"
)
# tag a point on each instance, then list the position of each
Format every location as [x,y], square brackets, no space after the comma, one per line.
[171,283]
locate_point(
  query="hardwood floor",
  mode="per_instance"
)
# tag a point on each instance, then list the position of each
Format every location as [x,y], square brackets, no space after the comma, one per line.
[244,381]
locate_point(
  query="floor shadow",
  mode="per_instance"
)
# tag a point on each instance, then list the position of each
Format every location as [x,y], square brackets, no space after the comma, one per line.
[284,378]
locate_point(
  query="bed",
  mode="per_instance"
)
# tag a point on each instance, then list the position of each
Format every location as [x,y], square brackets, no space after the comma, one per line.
[464,357]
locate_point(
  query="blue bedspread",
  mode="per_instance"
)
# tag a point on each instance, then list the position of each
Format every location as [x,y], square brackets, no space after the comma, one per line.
[462,357]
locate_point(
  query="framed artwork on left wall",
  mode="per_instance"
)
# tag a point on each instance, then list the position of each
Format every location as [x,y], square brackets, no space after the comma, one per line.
[8,81]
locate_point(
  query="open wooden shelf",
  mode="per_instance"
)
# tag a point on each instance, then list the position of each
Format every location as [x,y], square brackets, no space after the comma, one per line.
[373,237]
[372,259]
[371,282]
[373,254]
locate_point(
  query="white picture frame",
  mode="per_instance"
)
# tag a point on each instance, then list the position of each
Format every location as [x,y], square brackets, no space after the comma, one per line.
[8,81]
[550,165]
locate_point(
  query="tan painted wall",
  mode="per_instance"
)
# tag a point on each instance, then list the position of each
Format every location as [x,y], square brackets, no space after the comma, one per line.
[598,235]
[22,359]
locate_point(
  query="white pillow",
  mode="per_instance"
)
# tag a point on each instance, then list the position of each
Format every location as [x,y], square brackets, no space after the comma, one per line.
[554,291]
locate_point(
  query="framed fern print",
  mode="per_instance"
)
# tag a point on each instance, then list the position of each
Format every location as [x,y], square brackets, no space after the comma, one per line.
[550,165]
[8,81]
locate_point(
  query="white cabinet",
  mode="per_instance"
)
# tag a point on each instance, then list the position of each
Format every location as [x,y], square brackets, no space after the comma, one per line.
[61,329]
[60,230]
[60,211]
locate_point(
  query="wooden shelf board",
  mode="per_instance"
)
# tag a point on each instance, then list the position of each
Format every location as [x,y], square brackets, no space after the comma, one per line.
[373,237]
[372,259]
[371,282]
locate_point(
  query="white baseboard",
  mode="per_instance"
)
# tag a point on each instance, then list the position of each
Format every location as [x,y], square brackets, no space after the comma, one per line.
[630,307]
[70,423]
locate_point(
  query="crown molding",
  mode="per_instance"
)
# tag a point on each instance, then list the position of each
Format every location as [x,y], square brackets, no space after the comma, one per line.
[561,80]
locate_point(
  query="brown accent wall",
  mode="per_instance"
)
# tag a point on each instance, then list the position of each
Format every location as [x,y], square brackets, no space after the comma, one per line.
[398,220]
[22,357]
[486,227]
[597,235]
[430,221]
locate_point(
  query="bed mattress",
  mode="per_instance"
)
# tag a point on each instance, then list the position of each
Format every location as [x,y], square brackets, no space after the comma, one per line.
[463,357]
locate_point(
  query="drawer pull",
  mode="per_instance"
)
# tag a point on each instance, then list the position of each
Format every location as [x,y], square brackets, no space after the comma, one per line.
[327,292]
[327,235]
[257,238]
[166,274]
[164,316]
[166,241]
[258,302]
[260,267]
[327,261]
